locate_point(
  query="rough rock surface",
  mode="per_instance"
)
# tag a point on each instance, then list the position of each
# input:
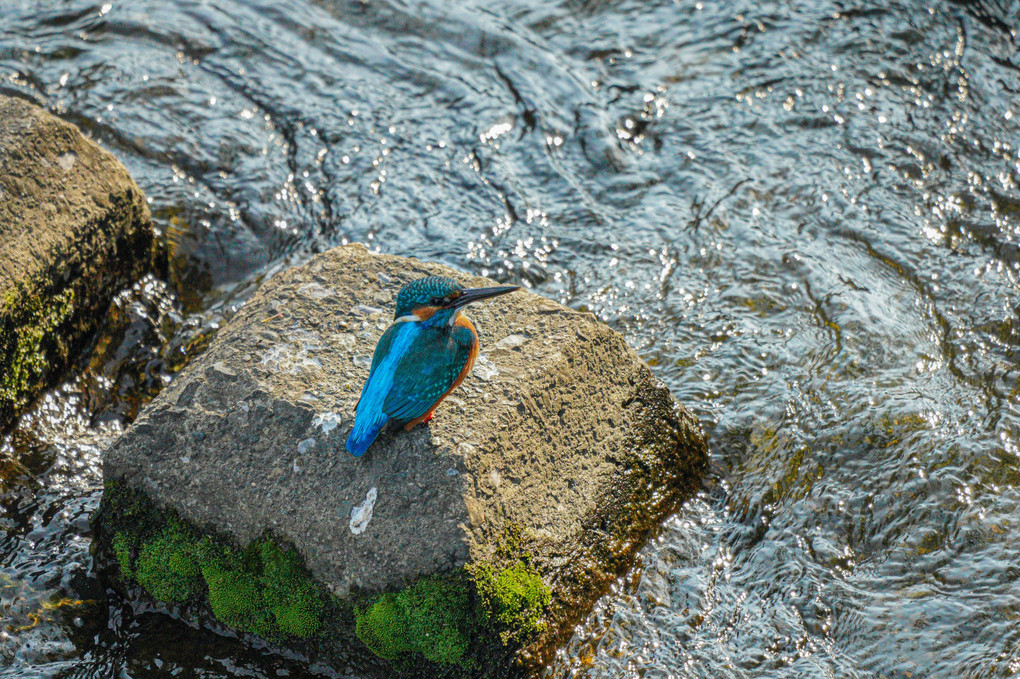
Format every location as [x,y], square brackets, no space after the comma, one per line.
[560,430]
[74,230]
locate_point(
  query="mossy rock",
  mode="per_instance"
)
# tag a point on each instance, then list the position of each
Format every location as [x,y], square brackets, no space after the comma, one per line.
[122,546]
[74,231]
[560,429]
[33,321]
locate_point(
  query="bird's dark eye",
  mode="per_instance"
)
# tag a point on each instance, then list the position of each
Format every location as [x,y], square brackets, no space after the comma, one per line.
[437,301]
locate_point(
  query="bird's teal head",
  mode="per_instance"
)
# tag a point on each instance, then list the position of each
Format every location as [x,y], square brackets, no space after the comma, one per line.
[439,299]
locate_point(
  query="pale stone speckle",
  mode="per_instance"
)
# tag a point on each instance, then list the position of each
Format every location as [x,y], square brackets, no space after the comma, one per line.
[316,291]
[327,422]
[484,368]
[66,161]
[511,341]
[365,310]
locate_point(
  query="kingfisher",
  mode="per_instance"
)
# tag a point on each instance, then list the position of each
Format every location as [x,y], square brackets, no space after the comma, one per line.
[425,354]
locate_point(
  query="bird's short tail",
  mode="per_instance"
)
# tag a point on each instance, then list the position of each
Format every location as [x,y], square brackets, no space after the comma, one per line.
[364,432]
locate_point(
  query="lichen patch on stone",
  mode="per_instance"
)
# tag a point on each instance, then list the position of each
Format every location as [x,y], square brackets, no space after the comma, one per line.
[296,356]
[316,291]
[362,514]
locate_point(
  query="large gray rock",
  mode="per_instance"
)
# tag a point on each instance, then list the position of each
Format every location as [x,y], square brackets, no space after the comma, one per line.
[74,230]
[560,433]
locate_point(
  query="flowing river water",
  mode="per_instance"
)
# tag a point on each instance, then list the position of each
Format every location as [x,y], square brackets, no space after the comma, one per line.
[804,214]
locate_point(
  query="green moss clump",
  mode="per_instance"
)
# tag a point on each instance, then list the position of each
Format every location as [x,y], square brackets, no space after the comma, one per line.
[234,595]
[515,598]
[123,544]
[263,589]
[383,628]
[433,617]
[511,594]
[167,566]
[291,595]
[439,617]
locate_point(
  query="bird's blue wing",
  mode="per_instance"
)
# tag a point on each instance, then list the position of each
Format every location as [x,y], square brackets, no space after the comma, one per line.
[427,371]
[382,348]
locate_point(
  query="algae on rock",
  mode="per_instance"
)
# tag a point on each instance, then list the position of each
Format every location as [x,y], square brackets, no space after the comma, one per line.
[32,322]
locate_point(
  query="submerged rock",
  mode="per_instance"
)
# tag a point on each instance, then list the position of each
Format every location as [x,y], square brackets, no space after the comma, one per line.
[486,534]
[74,230]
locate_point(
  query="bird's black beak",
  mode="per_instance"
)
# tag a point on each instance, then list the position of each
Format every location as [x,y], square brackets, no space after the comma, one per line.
[476,294]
